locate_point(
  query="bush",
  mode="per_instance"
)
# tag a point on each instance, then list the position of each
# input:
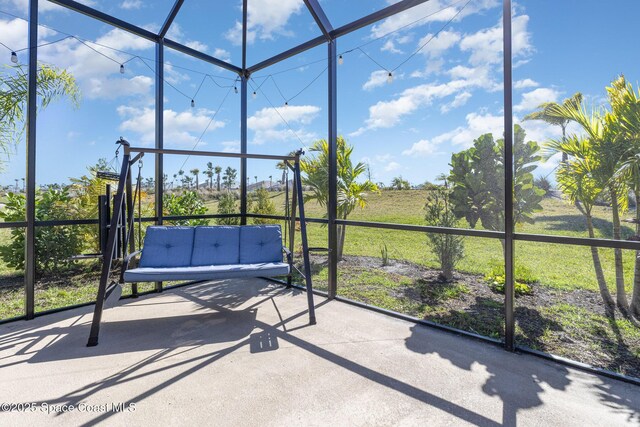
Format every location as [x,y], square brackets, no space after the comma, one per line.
[188,203]
[524,278]
[261,204]
[54,245]
[227,205]
[448,248]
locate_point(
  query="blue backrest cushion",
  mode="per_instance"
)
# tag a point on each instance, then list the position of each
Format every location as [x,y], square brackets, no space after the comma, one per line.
[167,247]
[260,243]
[216,245]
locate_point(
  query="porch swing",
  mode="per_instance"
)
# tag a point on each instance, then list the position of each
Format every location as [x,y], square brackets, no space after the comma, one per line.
[200,253]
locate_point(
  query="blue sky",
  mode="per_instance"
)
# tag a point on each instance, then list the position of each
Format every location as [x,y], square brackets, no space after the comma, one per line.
[440,99]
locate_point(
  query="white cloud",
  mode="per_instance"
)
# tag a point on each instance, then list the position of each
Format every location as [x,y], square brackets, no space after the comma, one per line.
[43,6]
[485,46]
[459,100]
[525,84]
[437,45]
[433,11]
[131,4]
[112,88]
[222,54]
[181,128]
[230,146]
[423,147]
[531,100]
[389,46]
[265,18]
[376,79]
[477,124]
[392,166]
[268,125]
[175,33]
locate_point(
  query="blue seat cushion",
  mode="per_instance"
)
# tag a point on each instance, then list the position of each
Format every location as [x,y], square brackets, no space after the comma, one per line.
[216,245]
[210,272]
[260,243]
[167,247]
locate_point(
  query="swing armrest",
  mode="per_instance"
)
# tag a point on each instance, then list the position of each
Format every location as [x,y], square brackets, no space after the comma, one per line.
[288,254]
[128,259]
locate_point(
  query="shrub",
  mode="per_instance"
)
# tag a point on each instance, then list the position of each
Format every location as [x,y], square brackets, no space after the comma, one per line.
[448,248]
[262,205]
[523,276]
[384,252]
[188,203]
[227,205]
[54,245]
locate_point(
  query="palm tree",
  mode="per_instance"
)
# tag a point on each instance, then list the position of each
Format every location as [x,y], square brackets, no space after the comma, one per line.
[575,179]
[546,110]
[400,184]
[209,174]
[196,172]
[351,194]
[52,84]
[270,182]
[625,106]
[229,177]
[180,174]
[608,152]
[218,171]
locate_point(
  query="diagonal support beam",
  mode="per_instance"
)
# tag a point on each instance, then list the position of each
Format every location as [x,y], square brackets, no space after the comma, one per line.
[320,17]
[172,15]
[374,17]
[200,55]
[388,11]
[101,16]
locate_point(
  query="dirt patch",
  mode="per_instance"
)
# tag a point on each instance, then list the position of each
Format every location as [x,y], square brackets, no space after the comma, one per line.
[569,323]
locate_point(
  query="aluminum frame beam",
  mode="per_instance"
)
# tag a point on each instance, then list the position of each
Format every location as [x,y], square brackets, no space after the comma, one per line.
[332,138]
[320,17]
[339,32]
[202,56]
[509,254]
[106,18]
[172,15]
[30,182]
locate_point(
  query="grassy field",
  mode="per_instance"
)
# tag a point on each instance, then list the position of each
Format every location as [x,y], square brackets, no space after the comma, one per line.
[562,274]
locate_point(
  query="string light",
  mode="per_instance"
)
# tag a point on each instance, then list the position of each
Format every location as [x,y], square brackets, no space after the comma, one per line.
[254,95]
[193,103]
[14,57]
[286,103]
[235,89]
[121,68]
[390,77]
[340,60]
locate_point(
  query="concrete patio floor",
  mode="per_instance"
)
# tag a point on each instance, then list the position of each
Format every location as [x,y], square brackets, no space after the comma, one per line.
[241,353]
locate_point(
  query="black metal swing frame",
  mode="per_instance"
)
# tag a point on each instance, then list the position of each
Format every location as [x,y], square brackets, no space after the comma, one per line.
[125,193]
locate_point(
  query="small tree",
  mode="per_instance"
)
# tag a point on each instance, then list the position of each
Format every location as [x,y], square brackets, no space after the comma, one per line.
[448,248]
[477,179]
[226,206]
[262,205]
[188,203]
